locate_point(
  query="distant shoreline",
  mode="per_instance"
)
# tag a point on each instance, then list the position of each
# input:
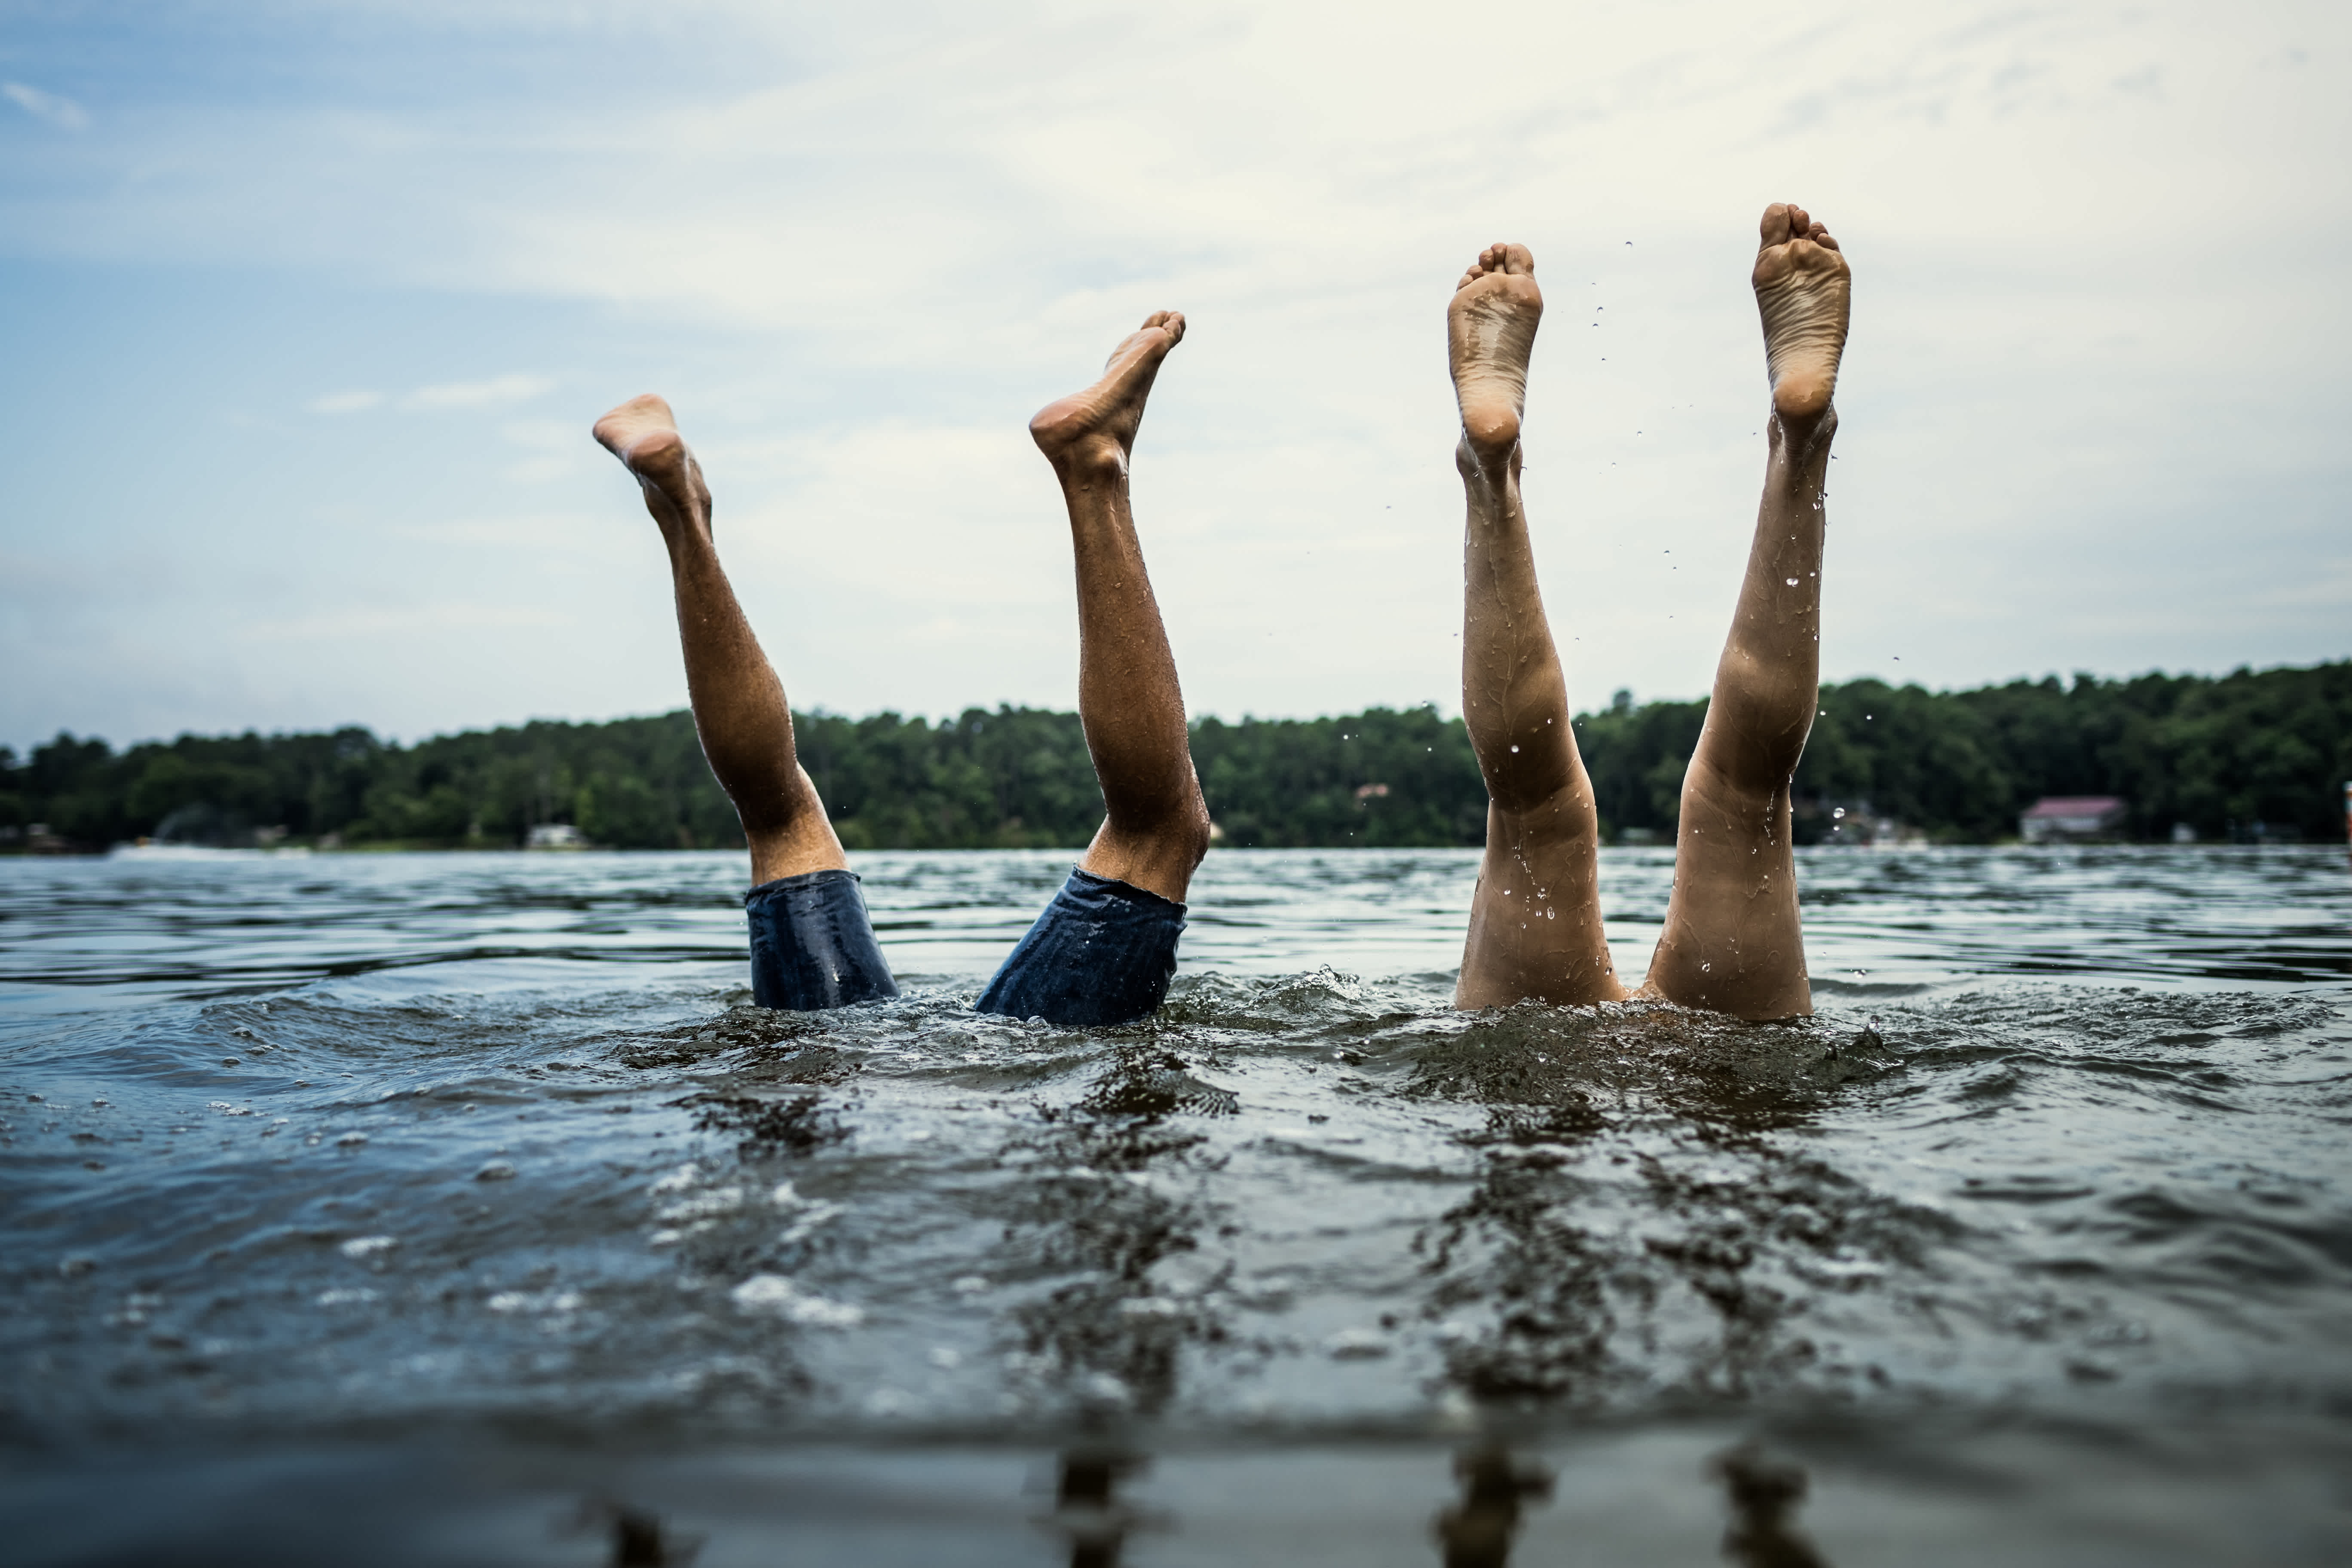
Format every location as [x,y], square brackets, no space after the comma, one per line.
[2247,757]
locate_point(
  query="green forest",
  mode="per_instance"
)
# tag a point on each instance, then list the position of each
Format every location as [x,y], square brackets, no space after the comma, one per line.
[2247,755]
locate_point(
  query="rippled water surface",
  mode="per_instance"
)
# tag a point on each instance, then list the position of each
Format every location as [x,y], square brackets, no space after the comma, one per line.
[318,1171]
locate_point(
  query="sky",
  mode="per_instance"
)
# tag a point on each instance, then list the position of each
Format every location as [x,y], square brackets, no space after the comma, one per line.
[306,309]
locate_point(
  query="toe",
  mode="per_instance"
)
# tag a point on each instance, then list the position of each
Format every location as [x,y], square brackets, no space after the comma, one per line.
[1172,323]
[1516,259]
[1823,238]
[1800,220]
[1774,230]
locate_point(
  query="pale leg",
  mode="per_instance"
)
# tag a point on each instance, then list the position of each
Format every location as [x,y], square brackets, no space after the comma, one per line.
[1535,920]
[1732,939]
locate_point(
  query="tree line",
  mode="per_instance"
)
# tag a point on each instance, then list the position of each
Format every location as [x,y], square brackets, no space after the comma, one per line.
[2249,754]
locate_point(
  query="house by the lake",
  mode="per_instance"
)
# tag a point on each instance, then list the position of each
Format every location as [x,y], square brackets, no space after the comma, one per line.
[2062,819]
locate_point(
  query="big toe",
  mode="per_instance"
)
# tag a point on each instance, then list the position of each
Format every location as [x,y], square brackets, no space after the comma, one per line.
[1500,261]
[1783,221]
[1516,261]
[1169,322]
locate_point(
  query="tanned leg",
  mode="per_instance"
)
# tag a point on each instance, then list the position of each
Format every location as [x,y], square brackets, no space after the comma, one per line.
[1157,827]
[1732,940]
[739,704]
[1535,920]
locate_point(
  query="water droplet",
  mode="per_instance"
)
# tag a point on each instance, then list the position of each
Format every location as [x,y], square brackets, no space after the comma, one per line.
[1552,914]
[1514,748]
[1705,967]
[1793,582]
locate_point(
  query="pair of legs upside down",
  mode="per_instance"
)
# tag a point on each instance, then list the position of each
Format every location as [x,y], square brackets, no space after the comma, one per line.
[1103,950]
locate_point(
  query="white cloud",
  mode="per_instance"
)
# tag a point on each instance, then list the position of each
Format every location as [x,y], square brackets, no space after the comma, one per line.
[498,391]
[61,112]
[495,392]
[404,624]
[545,533]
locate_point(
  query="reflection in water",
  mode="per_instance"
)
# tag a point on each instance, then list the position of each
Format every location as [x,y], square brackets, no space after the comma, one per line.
[637,1536]
[1085,1509]
[1764,1490]
[1108,1214]
[1478,1531]
[1551,1294]
[1935,1492]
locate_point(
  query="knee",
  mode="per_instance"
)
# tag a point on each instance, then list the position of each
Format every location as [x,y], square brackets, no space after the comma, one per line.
[1765,717]
[1196,831]
[1726,804]
[1165,826]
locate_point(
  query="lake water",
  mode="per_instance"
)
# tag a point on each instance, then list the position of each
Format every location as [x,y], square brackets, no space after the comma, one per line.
[459,1209]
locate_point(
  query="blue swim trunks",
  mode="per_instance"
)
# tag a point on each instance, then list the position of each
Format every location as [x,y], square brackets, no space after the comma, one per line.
[812,944]
[1103,952]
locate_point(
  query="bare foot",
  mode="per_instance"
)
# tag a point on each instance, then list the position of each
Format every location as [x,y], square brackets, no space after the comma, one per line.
[1490,330]
[643,435]
[1804,288]
[1095,428]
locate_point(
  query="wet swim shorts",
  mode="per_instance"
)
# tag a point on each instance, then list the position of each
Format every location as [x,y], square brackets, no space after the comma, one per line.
[1103,952]
[813,945]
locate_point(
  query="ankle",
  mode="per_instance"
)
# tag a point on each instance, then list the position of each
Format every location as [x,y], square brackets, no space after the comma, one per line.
[1490,465]
[684,534]
[1091,458]
[1803,439]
